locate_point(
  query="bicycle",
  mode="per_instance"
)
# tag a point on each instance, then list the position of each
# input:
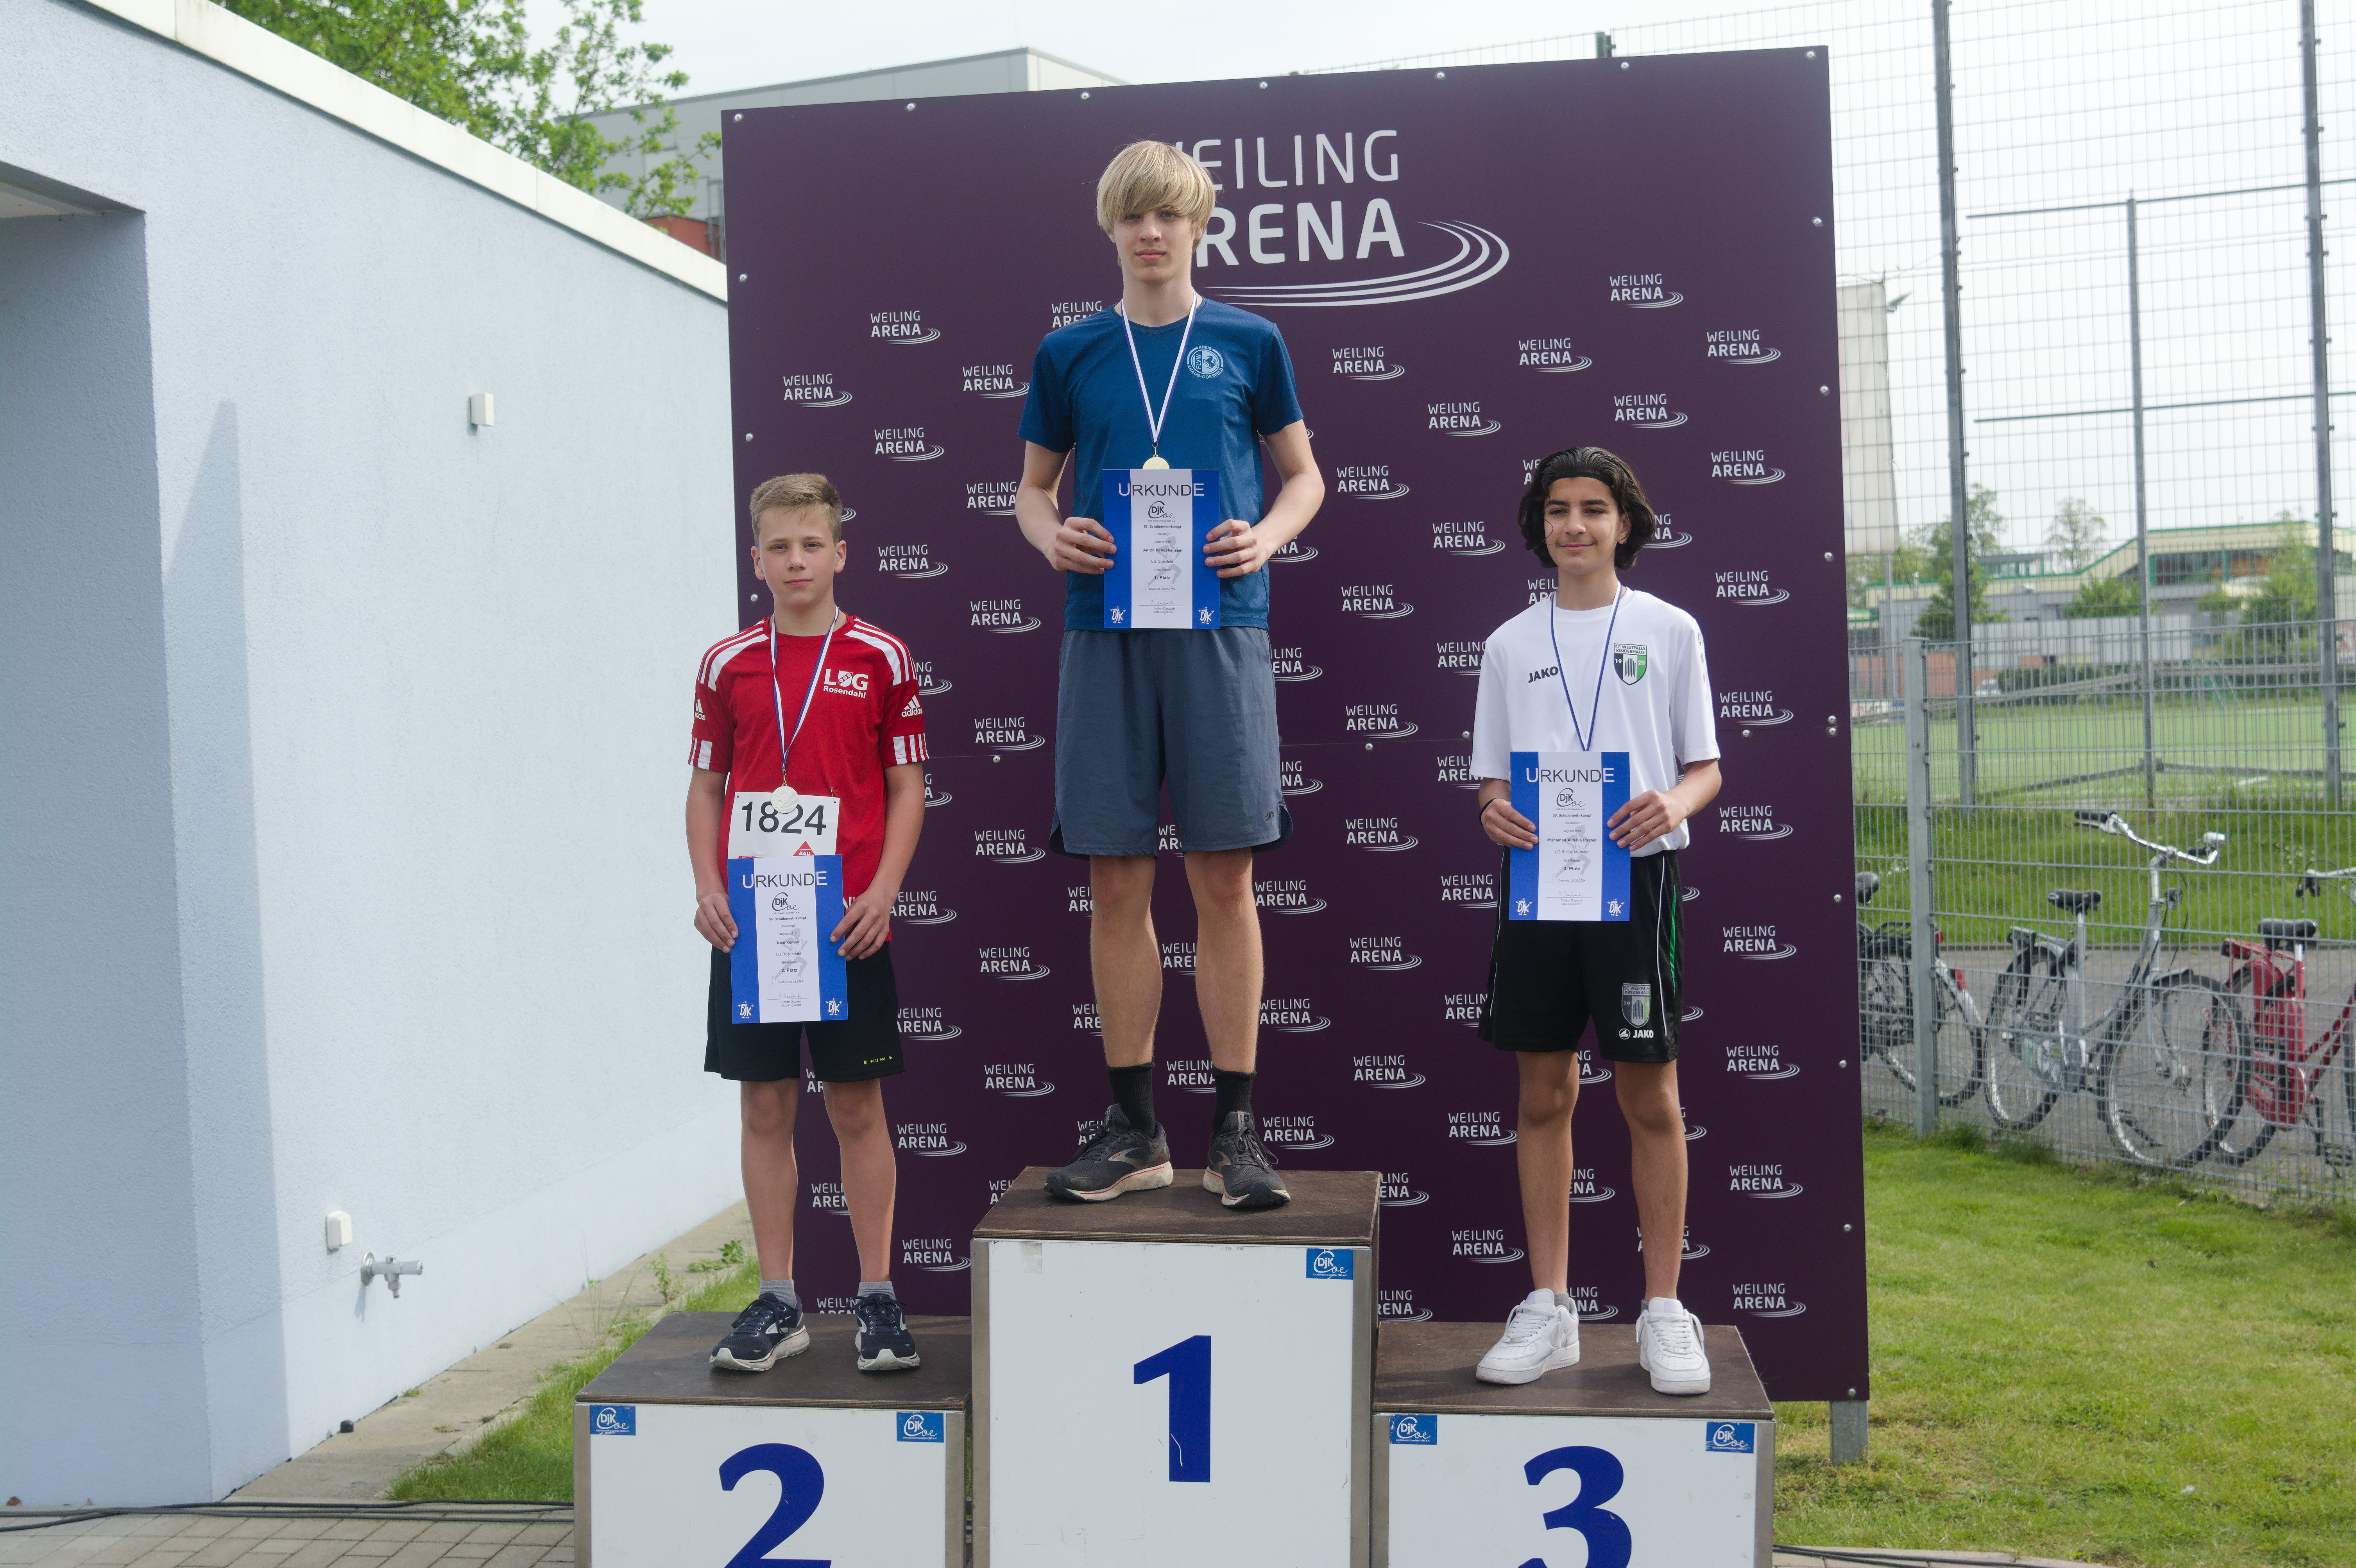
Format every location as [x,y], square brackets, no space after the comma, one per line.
[1885,985]
[2152,1059]
[2281,1077]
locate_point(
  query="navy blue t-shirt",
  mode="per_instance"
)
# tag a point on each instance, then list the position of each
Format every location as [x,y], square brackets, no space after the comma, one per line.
[1237,386]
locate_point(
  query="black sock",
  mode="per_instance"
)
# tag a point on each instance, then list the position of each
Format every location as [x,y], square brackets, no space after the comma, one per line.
[1232,1091]
[1132,1091]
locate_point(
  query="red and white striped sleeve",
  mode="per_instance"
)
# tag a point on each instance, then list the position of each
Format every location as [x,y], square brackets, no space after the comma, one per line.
[900,735]
[712,739]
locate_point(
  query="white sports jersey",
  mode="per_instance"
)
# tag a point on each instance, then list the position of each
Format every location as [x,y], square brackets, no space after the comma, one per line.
[1656,703]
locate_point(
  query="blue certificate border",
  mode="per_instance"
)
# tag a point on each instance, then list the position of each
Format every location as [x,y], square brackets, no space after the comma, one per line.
[1522,865]
[1204,581]
[743,971]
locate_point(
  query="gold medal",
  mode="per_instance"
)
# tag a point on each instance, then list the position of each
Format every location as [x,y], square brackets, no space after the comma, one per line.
[1156,461]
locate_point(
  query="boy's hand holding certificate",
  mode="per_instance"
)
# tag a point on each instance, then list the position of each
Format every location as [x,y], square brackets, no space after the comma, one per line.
[1160,578]
[1576,872]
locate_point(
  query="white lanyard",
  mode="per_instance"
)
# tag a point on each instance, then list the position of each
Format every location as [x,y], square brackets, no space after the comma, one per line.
[784,741]
[1595,707]
[1153,422]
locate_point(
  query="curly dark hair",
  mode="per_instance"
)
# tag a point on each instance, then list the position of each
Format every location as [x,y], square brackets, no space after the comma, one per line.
[1611,471]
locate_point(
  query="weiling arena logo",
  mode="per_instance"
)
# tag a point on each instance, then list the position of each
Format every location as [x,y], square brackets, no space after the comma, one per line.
[994,498]
[991,380]
[1298,1133]
[1587,1302]
[1584,1188]
[1463,1007]
[1286,896]
[1759,1062]
[1761,1181]
[1469,889]
[927,1024]
[1347,222]
[927,684]
[909,560]
[1365,362]
[1465,537]
[1291,664]
[1754,709]
[1374,601]
[1379,835]
[1756,823]
[1738,346]
[1482,1247]
[1189,1076]
[1758,943]
[815,390]
[1064,312]
[1766,1300]
[929,1139]
[1751,589]
[1455,769]
[1006,732]
[921,907]
[1386,1070]
[1376,721]
[1459,419]
[1009,847]
[934,1254]
[1016,1081]
[1486,1128]
[1367,482]
[1293,1015]
[1002,616]
[1549,356]
[903,328]
[1645,410]
[1399,1191]
[1398,1305]
[1745,465]
[906,444]
[1010,964]
[1641,291]
[1381,952]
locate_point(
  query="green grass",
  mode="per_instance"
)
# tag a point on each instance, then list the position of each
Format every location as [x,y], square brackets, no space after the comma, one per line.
[530,1457]
[2058,1354]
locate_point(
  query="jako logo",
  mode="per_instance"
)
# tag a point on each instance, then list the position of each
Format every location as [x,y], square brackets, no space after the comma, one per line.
[1006,844]
[1385,1072]
[1379,834]
[921,907]
[815,391]
[1643,290]
[1750,588]
[1010,964]
[1398,1192]
[1486,1128]
[1482,1247]
[1755,943]
[905,443]
[1376,721]
[1381,952]
[905,328]
[930,1139]
[1016,1081]
[1756,709]
[991,380]
[1743,465]
[1751,822]
[1646,411]
[1767,1300]
[1459,419]
[927,1023]
[1000,616]
[909,560]
[1738,346]
[1761,1181]
[1365,363]
[1368,482]
[1550,355]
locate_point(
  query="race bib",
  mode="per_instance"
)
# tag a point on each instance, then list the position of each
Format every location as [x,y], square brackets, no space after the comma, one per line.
[782,824]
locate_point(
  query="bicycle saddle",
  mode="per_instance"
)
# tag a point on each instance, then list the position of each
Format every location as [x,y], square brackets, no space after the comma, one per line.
[2287,931]
[2075,902]
[1867,885]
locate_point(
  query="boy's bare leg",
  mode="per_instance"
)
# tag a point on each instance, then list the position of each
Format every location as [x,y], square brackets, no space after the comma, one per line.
[1542,1154]
[870,1171]
[1228,965]
[772,1180]
[1124,956]
[1657,1139]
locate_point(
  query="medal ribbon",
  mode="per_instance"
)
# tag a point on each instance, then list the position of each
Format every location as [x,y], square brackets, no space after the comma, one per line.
[1153,422]
[784,741]
[1594,708]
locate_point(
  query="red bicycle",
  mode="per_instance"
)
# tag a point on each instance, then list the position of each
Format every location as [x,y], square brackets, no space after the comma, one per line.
[2284,1079]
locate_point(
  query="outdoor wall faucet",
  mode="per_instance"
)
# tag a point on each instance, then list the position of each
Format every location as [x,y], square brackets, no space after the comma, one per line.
[389,1269]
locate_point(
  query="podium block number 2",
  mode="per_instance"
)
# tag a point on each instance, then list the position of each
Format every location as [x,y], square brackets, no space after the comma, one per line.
[1599,1479]
[800,1484]
[1187,1365]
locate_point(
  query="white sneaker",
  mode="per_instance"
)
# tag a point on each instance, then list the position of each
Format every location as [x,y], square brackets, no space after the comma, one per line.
[1539,1338]
[1668,1346]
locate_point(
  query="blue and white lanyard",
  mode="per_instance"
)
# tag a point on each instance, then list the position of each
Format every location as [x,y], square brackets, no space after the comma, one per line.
[784,741]
[1153,422]
[1595,708]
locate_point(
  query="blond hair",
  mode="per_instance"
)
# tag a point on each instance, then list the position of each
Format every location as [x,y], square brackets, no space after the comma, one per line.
[1146,176]
[790,492]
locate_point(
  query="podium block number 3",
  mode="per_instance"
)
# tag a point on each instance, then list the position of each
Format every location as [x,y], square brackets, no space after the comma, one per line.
[1599,1479]
[800,1485]
[1187,1365]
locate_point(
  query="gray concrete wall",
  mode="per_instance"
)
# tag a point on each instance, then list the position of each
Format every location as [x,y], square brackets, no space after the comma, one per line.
[344,750]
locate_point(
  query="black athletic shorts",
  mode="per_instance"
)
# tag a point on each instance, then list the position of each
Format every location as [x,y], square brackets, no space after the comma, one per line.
[865,1044]
[1548,978]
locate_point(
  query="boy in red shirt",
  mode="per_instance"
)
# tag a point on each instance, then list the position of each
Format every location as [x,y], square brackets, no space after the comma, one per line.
[827,703]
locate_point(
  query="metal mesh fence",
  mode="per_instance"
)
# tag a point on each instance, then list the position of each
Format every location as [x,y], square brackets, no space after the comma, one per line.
[2131,199]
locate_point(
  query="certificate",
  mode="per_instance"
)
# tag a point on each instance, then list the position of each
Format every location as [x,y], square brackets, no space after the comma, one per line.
[784,968]
[1159,519]
[1575,873]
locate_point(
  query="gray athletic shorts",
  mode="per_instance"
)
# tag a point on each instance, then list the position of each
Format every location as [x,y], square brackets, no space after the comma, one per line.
[1197,708]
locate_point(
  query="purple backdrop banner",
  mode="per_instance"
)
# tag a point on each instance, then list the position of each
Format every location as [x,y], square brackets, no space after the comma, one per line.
[1636,253]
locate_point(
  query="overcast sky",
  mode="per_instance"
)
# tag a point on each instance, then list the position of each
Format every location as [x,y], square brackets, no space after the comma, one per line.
[727,43]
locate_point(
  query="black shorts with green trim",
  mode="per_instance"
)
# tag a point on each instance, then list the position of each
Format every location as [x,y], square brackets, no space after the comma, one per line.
[1548,979]
[865,1044]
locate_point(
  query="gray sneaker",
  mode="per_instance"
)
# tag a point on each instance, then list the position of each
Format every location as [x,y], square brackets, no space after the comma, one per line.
[1120,1159]
[1241,1172]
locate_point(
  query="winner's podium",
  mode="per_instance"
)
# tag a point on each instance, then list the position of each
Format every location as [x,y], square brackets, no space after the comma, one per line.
[1161,1381]
[1472,1472]
[809,1462]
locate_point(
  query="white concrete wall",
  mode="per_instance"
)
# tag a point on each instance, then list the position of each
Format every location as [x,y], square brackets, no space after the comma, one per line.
[343,753]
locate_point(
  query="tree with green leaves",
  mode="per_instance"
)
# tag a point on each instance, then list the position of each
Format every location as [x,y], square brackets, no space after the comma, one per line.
[2113,595]
[471,63]
[2077,535]
[1985,525]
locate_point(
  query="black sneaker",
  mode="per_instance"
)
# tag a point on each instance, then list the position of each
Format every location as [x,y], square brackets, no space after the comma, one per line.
[1241,1172]
[1120,1159]
[763,1334]
[884,1342]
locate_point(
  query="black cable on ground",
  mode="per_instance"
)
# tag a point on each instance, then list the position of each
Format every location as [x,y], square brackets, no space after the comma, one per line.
[432,1511]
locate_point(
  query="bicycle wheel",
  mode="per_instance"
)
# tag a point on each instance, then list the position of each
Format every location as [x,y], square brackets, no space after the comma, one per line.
[1962,1043]
[1885,1011]
[2020,1071]
[2164,1080]
[2246,1131]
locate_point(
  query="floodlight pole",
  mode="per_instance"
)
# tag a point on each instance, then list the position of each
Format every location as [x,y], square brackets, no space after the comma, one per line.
[2326,561]
[1958,497]
[2143,532]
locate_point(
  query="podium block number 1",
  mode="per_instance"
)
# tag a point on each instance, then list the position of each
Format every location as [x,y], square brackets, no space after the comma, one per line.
[800,1484]
[1187,1365]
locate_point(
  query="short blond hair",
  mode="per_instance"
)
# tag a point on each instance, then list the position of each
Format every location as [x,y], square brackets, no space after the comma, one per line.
[791,492]
[1146,176]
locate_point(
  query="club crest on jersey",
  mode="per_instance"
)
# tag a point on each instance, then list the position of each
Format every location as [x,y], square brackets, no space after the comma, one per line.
[1628,661]
[1636,1004]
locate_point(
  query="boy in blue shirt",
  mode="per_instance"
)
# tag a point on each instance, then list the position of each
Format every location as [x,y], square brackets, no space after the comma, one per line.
[1167,375]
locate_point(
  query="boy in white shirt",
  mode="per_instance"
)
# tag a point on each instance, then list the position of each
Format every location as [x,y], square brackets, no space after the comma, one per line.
[1635,665]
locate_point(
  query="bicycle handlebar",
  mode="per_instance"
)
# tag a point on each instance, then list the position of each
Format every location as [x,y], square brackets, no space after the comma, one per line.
[2111,823]
[2311,882]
